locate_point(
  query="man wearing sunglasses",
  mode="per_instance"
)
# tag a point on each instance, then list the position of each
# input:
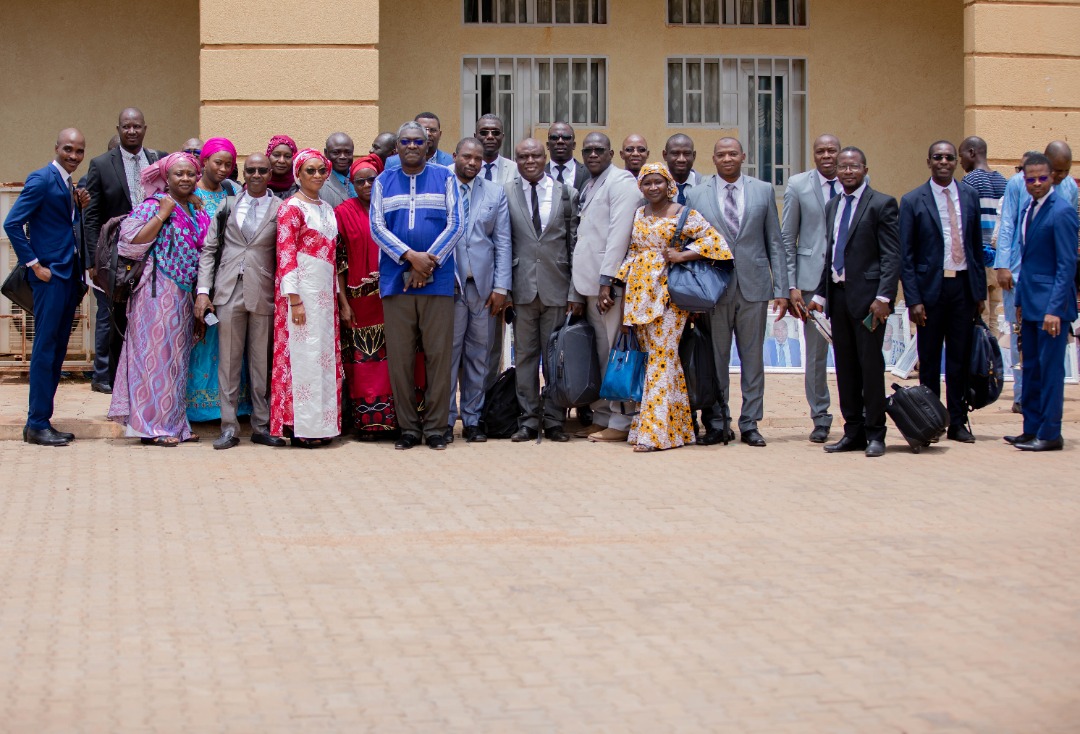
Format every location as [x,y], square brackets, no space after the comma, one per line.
[236,284]
[495,167]
[561,143]
[634,153]
[944,278]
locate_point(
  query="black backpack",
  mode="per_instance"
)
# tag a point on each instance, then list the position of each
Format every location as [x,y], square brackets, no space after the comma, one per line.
[115,274]
[986,377]
[501,408]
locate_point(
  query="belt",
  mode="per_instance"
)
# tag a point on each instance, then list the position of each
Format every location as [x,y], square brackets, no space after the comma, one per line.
[950,273]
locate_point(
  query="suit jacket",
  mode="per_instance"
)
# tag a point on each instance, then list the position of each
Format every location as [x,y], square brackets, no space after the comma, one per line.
[106,181]
[760,260]
[803,230]
[1048,261]
[258,255]
[542,265]
[333,192]
[603,237]
[485,248]
[581,173]
[772,357]
[45,204]
[872,256]
[922,245]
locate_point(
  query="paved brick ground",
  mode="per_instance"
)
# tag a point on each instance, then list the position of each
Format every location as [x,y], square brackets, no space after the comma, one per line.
[551,588]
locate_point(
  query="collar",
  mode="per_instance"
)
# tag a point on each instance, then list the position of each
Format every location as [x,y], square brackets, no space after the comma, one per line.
[938,188]
[857,193]
[737,183]
[1039,202]
[467,184]
[545,183]
[63,174]
[823,182]
[130,156]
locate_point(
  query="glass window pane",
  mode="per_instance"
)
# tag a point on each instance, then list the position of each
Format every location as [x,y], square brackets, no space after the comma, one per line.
[711,12]
[799,12]
[711,93]
[746,12]
[675,93]
[600,11]
[598,96]
[765,12]
[693,75]
[581,76]
[543,11]
[675,11]
[562,91]
[693,11]
[693,108]
[580,109]
[472,11]
[581,11]
[544,113]
[783,12]
[487,11]
[543,76]
[796,140]
[562,11]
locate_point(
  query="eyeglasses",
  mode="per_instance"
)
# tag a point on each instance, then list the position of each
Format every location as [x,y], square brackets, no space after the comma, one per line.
[1033,179]
[943,157]
[593,151]
[489,133]
[364,180]
[198,152]
[635,149]
[412,142]
[557,138]
[851,167]
[260,169]
[321,171]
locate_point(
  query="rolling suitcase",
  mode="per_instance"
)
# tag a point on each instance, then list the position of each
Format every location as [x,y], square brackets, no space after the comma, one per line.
[571,366]
[918,414]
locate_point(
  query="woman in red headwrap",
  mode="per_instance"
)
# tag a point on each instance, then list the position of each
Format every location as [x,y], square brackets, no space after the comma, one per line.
[280,150]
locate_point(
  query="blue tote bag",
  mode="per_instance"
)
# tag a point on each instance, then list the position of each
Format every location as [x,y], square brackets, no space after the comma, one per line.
[624,379]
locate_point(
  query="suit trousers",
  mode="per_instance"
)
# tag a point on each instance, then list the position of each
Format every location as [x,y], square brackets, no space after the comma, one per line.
[411,323]
[949,323]
[54,311]
[116,338]
[102,331]
[816,380]
[860,371]
[745,320]
[532,328]
[240,329]
[1044,380]
[608,413]
[473,326]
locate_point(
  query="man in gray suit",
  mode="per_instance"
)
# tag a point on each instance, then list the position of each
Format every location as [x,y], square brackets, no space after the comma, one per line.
[337,187]
[482,260]
[743,209]
[607,204]
[805,243]
[239,271]
[543,230]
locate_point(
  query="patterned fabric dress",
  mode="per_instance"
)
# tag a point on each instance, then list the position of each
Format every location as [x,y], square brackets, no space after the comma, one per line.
[305,384]
[148,395]
[664,419]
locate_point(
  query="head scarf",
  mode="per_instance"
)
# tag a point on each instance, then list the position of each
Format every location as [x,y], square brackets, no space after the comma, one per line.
[304,156]
[662,169]
[371,160]
[155,177]
[216,145]
[279,184]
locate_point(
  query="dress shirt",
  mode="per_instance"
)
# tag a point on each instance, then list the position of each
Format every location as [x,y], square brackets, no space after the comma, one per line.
[568,173]
[722,192]
[1024,215]
[825,188]
[946,229]
[544,189]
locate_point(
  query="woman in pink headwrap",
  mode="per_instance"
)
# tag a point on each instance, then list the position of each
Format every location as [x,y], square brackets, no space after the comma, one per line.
[280,150]
[170,225]
[305,383]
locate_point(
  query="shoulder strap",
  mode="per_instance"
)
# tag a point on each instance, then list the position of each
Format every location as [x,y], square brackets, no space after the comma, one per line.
[567,216]
[677,239]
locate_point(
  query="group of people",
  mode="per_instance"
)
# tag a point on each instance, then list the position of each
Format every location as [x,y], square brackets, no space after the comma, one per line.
[373,293]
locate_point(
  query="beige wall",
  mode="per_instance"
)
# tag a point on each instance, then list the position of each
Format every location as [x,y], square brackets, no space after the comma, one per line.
[71,63]
[888,77]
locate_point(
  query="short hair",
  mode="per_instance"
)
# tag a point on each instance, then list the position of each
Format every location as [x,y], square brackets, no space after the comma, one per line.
[733,140]
[933,145]
[1037,159]
[607,140]
[679,138]
[1025,156]
[974,141]
[428,116]
[853,149]
[411,125]
[467,139]
[489,116]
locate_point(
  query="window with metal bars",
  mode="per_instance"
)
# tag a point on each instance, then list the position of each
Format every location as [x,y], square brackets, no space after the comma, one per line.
[536,12]
[737,12]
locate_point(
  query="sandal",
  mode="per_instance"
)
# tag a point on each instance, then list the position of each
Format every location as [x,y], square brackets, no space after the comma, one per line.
[168,442]
[643,449]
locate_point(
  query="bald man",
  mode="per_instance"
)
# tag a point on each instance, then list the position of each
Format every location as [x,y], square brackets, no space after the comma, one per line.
[48,204]
[384,145]
[1060,155]
[634,153]
[338,187]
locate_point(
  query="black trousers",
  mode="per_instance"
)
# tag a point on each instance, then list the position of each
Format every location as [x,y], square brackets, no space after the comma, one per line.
[116,338]
[860,370]
[948,324]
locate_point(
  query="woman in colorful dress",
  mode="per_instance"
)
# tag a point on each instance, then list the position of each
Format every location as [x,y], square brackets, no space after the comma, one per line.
[664,419]
[369,401]
[280,150]
[218,159]
[148,395]
[305,384]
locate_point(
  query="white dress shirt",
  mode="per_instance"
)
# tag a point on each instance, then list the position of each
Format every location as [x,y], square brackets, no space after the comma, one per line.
[825,189]
[544,189]
[569,172]
[946,229]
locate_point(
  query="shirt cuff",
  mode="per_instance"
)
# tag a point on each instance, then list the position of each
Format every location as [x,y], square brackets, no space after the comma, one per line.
[202,292]
[607,280]
[500,291]
[819,300]
[32,263]
[883,299]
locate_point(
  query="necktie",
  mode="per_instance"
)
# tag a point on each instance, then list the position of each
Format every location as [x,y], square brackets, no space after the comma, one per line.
[536,210]
[250,221]
[956,245]
[681,198]
[465,205]
[731,211]
[781,353]
[135,185]
[562,169]
[841,237]
[487,171]
[832,188]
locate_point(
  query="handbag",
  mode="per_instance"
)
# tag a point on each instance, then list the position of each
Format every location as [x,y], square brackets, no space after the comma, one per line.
[699,367]
[16,288]
[697,285]
[624,379]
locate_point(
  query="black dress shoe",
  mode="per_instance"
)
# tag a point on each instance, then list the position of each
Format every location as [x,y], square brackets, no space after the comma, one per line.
[961,434]
[266,439]
[753,438]
[449,435]
[63,434]
[406,442]
[101,387]
[585,416]
[846,443]
[1041,444]
[524,434]
[717,435]
[44,437]
[557,434]
[820,434]
[1022,438]
[226,440]
[473,434]
[437,442]
[875,449]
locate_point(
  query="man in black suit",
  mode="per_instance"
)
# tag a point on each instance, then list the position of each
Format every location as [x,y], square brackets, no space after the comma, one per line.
[944,278]
[858,285]
[561,144]
[115,189]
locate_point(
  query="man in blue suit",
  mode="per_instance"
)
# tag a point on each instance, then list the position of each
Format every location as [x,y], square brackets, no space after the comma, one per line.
[944,278]
[47,205]
[1045,304]
[483,280]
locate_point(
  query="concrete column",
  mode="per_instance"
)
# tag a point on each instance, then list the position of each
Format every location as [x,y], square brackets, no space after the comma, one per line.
[305,68]
[1021,75]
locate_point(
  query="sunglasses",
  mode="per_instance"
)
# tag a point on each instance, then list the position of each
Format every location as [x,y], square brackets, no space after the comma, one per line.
[489,133]
[364,180]
[943,157]
[412,142]
[260,169]
[557,138]
[193,151]
[593,151]
[1033,179]
[635,149]
[321,171]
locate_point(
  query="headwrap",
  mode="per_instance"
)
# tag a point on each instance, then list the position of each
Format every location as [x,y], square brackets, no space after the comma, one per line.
[280,184]
[304,156]
[155,177]
[371,160]
[216,145]
[280,140]
[662,169]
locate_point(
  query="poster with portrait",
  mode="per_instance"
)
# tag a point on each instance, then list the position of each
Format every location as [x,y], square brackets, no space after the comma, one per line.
[783,348]
[898,336]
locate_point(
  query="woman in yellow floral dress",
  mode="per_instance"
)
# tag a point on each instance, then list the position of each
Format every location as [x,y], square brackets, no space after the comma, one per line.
[664,419]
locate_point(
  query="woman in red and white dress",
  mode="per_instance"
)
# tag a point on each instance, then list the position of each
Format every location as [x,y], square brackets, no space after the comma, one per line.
[305,385]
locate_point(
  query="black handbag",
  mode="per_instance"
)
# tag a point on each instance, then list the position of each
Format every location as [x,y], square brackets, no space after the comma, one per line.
[16,288]
[697,285]
[699,367]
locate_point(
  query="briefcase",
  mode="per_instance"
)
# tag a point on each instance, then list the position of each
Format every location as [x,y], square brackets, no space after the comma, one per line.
[571,365]
[16,288]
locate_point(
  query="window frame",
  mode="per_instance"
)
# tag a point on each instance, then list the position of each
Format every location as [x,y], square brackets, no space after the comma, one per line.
[594,9]
[720,23]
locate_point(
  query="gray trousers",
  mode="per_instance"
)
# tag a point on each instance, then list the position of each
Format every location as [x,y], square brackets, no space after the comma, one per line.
[532,329]
[745,320]
[412,322]
[817,377]
[473,326]
[240,330]
[606,326]
[495,351]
